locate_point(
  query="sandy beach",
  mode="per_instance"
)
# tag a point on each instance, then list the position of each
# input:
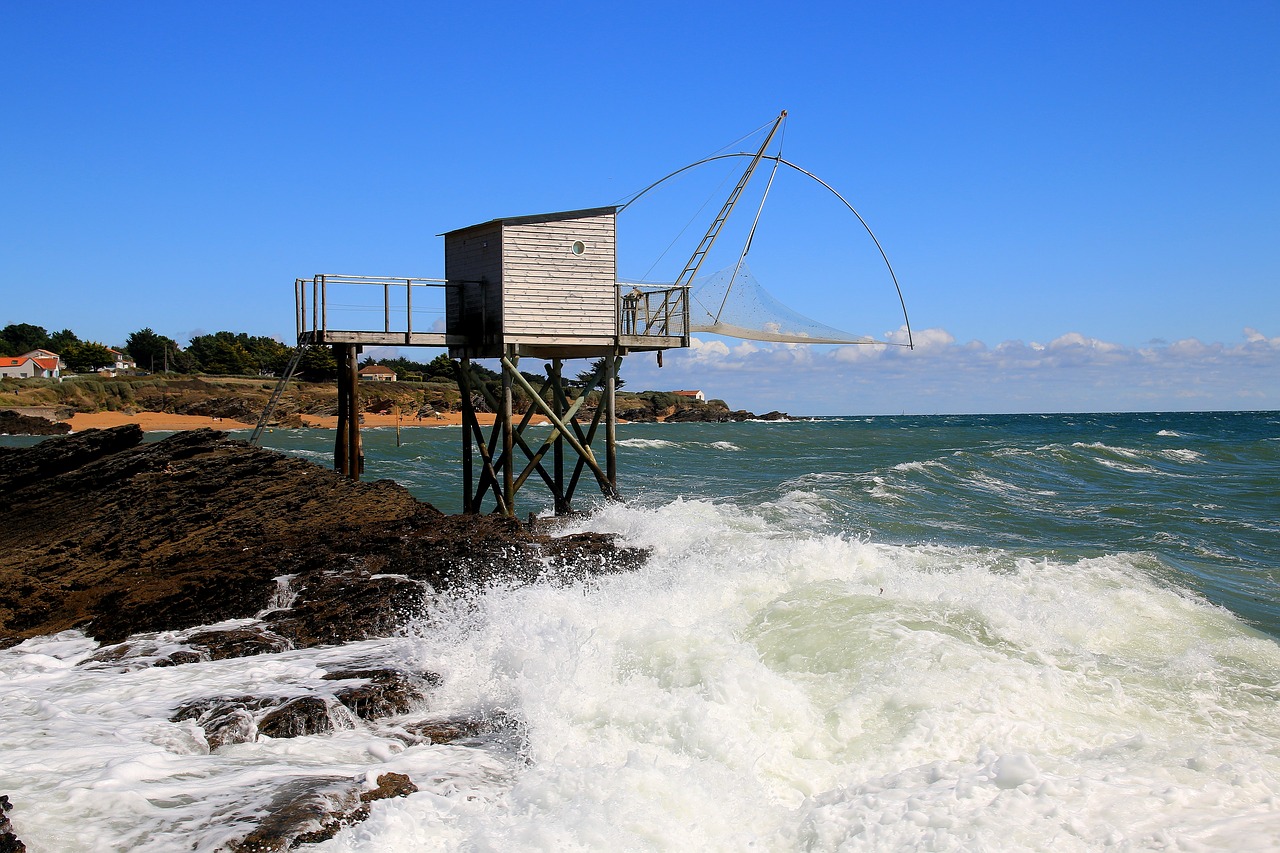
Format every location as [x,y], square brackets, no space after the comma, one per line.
[163,422]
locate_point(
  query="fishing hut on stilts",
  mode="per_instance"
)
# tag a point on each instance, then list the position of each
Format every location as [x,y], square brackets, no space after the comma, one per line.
[540,288]
[532,288]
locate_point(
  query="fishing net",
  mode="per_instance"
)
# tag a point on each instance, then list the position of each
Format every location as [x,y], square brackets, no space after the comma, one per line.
[733,303]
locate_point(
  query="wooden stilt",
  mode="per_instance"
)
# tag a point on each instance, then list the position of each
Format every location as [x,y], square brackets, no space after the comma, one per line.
[462,369]
[340,446]
[557,395]
[508,436]
[611,421]
[355,452]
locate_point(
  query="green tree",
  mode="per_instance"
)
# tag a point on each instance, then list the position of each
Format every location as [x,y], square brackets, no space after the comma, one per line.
[17,338]
[268,354]
[181,361]
[587,375]
[318,364]
[149,349]
[238,354]
[58,341]
[223,352]
[87,356]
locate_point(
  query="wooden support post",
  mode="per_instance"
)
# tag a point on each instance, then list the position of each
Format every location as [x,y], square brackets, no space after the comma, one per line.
[557,396]
[583,451]
[611,421]
[355,452]
[508,437]
[462,369]
[340,447]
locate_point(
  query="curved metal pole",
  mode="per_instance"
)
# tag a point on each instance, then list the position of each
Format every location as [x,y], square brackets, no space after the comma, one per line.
[778,159]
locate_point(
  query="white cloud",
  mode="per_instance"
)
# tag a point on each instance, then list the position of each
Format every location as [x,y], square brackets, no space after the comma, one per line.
[1073,372]
[707,350]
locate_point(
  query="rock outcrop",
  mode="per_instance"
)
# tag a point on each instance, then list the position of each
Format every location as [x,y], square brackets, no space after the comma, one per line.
[116,537]
[16,423]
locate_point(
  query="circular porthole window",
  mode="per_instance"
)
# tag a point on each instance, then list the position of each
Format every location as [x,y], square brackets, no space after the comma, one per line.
[579,247]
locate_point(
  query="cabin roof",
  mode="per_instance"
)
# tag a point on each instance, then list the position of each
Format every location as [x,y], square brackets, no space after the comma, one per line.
[538,217]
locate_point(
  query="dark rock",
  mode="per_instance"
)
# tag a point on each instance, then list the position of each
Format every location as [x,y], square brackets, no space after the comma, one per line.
[49,459]
[303,811]
[775,416]
[308,811]
[234,643]
[390,785]
[305,715]
[240,719]
[385,692]
[336,607]
[507,730]
[194,530]
[13,423]
[10,843]
[225,720]
[708,413]
[180,657]
[638,415]
[699,415]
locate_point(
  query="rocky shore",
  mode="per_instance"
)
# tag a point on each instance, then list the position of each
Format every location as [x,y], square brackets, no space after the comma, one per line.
[200,548]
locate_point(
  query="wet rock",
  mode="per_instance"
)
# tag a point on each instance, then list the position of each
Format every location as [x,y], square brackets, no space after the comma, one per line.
[225,720]
[775,416]
[9,841]
[336,607]
[305,715]
[240,719]
[14,423]
[308,811]
[180,657]
[194,529]
[384,693]
[497,726]
[302,811]
[231,643]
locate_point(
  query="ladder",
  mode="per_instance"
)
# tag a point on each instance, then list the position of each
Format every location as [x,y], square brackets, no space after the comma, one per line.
[691,269]
[292,366]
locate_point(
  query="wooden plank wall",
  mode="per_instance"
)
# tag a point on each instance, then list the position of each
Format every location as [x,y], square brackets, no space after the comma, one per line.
[551,293]
[470,256]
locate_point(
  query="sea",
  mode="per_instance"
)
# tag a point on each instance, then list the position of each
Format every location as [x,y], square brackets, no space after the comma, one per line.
[951,633]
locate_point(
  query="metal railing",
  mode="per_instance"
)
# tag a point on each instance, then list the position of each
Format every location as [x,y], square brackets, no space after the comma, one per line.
[360,296]
[647,311]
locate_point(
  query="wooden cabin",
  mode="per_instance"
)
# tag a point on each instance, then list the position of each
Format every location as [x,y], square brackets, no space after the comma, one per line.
[546,286]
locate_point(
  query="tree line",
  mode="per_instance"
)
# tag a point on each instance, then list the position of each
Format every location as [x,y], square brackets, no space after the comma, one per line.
[223,353]
[230,354]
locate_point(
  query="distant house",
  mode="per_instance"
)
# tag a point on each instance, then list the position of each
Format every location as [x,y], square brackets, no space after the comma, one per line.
[122,362]
[37,363]
[377,373]
[692,395]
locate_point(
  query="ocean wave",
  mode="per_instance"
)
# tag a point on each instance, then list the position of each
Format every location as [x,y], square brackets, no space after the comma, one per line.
[647,443]
[752,684]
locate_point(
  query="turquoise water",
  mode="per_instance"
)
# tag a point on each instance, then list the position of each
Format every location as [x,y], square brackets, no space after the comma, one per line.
[1193,496]
[1002,633]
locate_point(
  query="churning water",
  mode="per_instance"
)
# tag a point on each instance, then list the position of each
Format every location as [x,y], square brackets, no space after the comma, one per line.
[949,633]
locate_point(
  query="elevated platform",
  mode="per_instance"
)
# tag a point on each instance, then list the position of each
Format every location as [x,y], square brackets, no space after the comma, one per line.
[385,311]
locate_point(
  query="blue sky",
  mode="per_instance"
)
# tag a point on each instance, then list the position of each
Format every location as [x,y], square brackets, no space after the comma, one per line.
[1081,201]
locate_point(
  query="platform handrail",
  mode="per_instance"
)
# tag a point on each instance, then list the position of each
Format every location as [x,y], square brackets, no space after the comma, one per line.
[653,311]
[318,325]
